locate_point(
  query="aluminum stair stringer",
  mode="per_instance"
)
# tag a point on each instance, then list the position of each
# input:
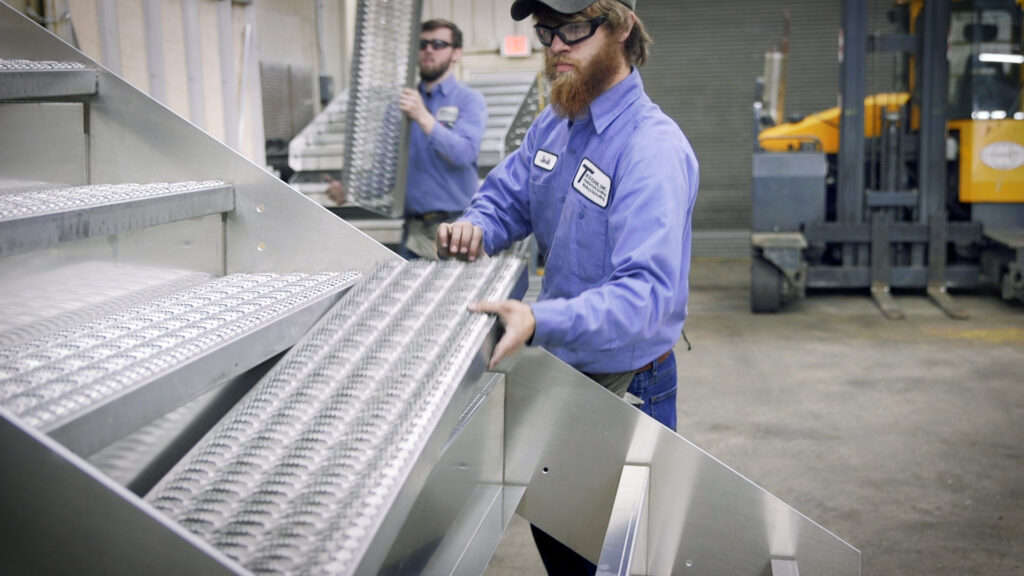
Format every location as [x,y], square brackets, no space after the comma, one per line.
[568,439]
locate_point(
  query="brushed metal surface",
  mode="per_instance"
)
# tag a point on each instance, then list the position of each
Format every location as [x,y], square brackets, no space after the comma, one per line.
[628,512]
[567,439]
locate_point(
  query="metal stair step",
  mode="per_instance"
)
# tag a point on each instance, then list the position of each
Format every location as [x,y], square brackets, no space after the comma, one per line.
[300,474]
[325,139]
[91,384]
[33,218]
[27,80]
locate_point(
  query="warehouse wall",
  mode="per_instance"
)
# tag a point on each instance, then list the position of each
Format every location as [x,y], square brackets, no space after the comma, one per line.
[121,34]
[702,69]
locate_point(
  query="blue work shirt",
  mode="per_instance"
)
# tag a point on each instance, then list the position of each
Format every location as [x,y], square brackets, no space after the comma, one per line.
[609,198]
[442,172]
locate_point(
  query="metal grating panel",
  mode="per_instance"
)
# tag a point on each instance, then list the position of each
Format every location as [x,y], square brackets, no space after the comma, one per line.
[36,200]
[45,79]
[55,377]
[297,478]
[288,101]
[529,109]
[376,143]
[36,218]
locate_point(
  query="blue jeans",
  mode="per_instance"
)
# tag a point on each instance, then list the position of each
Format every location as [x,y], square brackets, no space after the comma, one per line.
[657,388]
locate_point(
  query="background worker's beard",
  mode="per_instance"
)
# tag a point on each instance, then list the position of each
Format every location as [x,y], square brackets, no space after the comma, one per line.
[433,73]
[573,91]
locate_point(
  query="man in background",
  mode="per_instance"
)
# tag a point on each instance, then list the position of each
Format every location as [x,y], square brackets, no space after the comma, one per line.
[448,122]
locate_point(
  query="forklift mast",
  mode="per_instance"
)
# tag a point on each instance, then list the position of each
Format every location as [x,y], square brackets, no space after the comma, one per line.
[922,188]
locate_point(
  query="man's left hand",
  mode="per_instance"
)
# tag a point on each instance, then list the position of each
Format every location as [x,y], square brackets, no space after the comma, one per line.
[519,326]
[335,191]
[412,104]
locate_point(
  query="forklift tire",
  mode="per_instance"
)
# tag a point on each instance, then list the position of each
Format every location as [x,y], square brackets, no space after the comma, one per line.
[765,286]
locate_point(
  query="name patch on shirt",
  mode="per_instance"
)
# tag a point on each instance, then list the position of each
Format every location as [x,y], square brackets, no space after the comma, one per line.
[545,160]
[594,184]
[447,114]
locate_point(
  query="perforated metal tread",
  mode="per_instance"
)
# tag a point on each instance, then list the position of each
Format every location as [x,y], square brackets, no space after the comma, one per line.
[377,136]
[37,217]
[29,80]
[58,377]
[298,476]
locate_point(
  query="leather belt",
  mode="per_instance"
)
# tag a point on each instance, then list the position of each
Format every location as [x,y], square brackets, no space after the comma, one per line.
[650,365]
[438,216]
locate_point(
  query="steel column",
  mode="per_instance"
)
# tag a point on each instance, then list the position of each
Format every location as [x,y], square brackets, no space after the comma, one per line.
[850,204]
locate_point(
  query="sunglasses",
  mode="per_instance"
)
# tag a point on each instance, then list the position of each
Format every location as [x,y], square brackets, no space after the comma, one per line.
[435,44]
[571,33]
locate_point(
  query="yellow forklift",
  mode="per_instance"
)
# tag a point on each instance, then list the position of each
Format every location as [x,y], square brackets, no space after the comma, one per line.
[920,187]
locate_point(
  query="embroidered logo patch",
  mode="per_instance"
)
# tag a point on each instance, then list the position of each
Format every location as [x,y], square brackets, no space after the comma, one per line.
[545,160]
[594,184]
[447,114]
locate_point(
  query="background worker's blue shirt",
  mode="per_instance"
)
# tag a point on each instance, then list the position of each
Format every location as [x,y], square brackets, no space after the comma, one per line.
[609,198]
[442,172]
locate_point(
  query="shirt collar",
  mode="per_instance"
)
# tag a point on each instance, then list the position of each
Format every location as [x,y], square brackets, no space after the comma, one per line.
[442,89]
[613,102]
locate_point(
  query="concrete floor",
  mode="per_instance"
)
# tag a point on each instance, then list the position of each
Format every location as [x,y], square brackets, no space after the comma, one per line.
[904,438]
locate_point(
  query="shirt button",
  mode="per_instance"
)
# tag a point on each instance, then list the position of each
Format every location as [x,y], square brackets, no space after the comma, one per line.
[581,215]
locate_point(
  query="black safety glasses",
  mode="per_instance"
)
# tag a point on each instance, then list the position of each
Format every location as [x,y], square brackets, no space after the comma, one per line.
[435,44]
[571,33]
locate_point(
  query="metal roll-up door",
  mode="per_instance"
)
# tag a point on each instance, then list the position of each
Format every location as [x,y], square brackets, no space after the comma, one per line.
[701,71]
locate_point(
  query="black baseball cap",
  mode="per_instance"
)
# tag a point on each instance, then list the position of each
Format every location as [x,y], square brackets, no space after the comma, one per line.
[523,8]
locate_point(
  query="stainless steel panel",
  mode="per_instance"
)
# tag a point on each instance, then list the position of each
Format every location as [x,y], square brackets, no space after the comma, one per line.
[376,150]
[568,439]
[462,511]
[43,142]
[628,512]
[60,516]
[33,219]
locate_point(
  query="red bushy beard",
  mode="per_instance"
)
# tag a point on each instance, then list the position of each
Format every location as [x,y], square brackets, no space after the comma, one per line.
[573,91]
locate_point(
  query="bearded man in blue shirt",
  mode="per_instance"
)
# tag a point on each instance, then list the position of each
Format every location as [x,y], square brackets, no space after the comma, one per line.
[607,183]
[448,123]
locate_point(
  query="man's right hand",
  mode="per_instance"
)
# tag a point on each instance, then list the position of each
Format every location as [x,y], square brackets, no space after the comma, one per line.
[460,240]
